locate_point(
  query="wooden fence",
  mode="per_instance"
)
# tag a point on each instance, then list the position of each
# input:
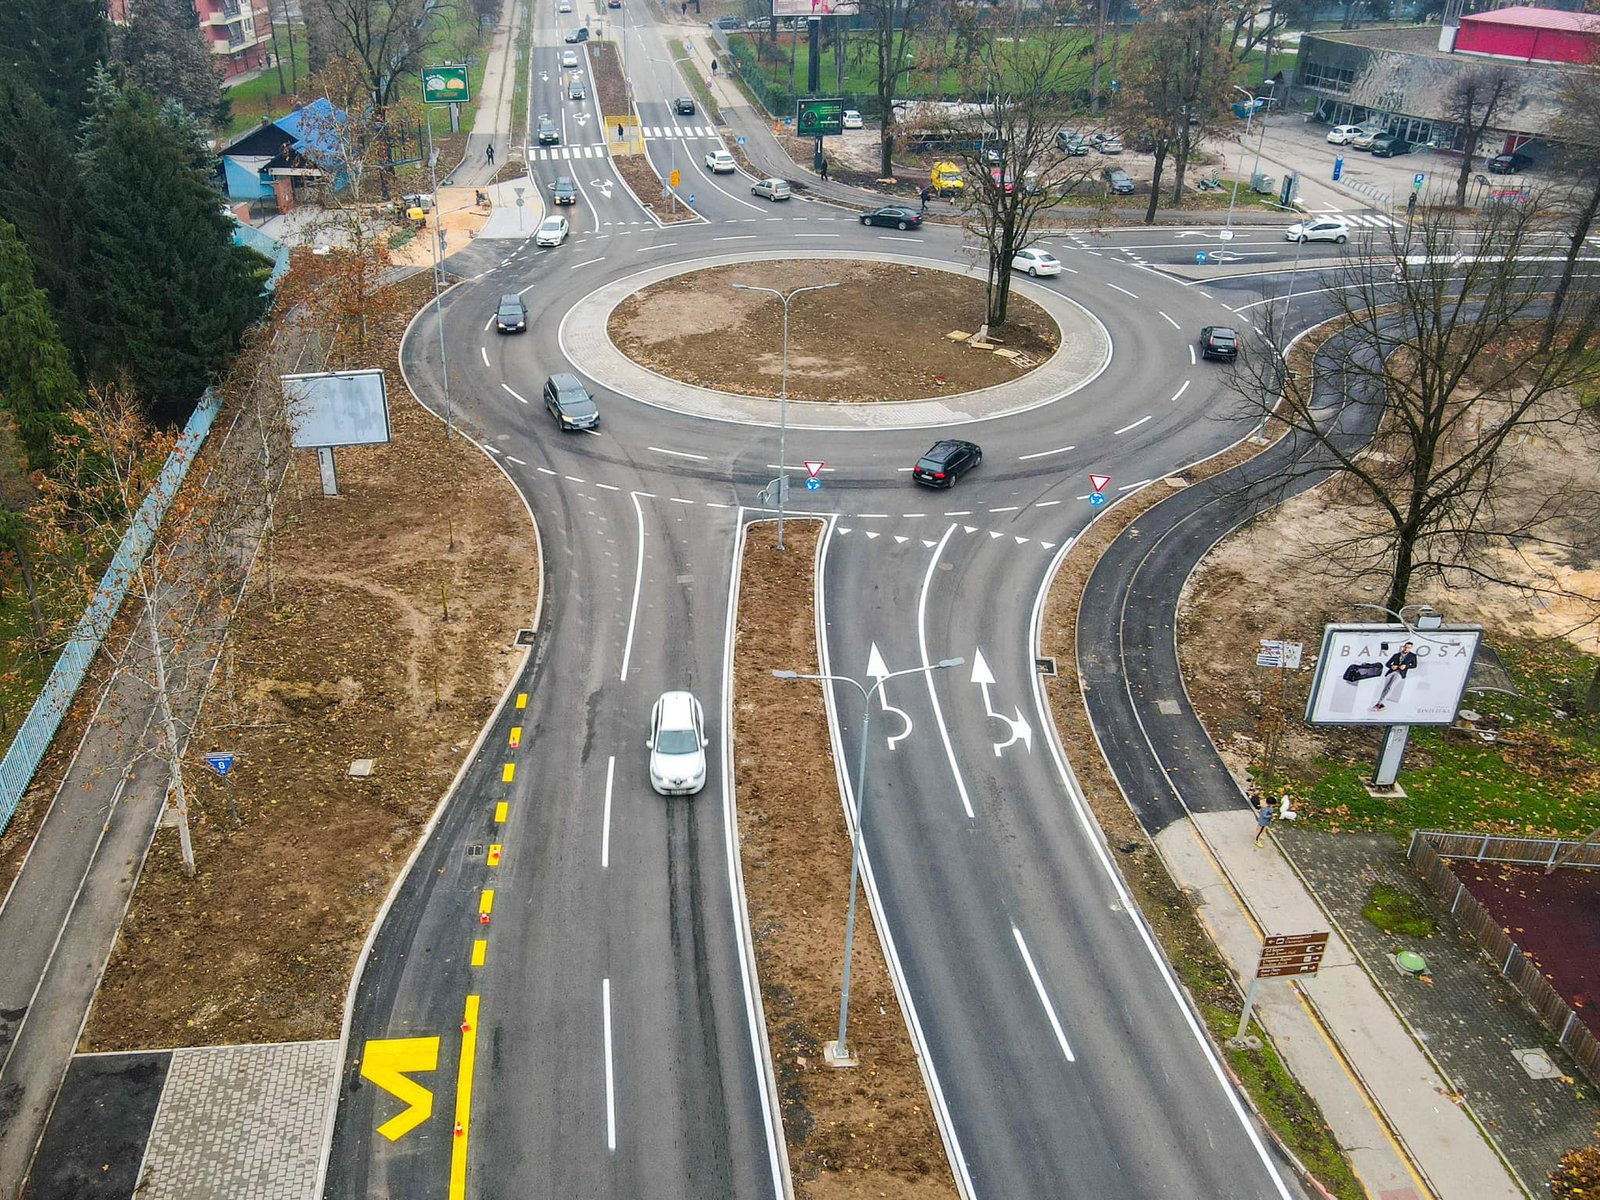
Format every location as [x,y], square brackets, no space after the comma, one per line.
[1427,853]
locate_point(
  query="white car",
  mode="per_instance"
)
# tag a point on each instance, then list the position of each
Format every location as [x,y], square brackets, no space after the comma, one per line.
[565,6]
[569,59]
[677,745]
[720,162]
[852,119]
[772,189]
[1036,262]
[1343,135]
[552,231]
[1318,229]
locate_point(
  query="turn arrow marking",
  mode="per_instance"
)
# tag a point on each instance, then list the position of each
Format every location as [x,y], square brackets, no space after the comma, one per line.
[879,670]
[1020,729]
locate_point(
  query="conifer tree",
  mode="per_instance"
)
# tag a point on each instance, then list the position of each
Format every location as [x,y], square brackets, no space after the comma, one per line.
[52,47]
[36,381]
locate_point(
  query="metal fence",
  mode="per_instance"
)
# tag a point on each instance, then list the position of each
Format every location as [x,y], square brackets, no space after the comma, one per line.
[1427,854]
[22,757]
[268,247]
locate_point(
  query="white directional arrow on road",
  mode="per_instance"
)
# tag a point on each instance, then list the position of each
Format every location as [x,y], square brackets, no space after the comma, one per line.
[581,118]
[1020,729]
[879,670]
[604,185]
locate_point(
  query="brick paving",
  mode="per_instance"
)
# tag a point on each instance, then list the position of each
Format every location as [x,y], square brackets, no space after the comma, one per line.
[1468,1017]
[242,1123]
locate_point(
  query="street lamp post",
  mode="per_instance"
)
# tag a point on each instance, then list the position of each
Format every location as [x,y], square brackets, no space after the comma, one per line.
[1259,437]
[1261,138]
[838,1053]
[682,58]
[1227,229]
[783,388]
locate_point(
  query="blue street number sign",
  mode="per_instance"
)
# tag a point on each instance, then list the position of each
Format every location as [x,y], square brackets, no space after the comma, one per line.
[220,763]
[1338,167]
[813,485]
[1096,499]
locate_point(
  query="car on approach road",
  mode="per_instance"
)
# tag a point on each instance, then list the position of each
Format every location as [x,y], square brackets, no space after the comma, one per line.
[720,162]
[1119,180]
[1343,135]
[575,89]
[1219,341]
[512,315]
[580,34]
[565,6]
[945,462]
[563,190]
[684,106]
[549,135]
[1318,229]
[569,402]
[677,744]
[1036,262]
[569,59]
[893,215]
[552,231]
[1508,164]
[772,189]
[613,3]
[851,119]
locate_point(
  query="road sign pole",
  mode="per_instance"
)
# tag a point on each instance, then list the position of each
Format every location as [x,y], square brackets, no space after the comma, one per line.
[1249,1007]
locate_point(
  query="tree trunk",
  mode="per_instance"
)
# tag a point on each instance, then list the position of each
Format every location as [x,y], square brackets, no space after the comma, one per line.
[1591,698]
[25,564]
[1155,184]
[1405,545]
[1099,58]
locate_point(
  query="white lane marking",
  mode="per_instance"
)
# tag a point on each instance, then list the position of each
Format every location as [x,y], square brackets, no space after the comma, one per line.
[959,512]
[574,479]
[1181,390]
[735,237]
[876,516]
[508,388]
[1046,503]
[638,580]
[1170,321]
[528,289]
[663,245]
[1135,425]
[922,644]
[610,487]
[484,350]
[544,470]
[605,820]
[1007,508]
[611,1074]
[518,461]
[1044,998]
[1191,356]
[1123,290]
[1044,453]
[1128,487]
[710,504]
[489,324]
[678,500]
[889,237]
[832,235]
[679,453]
[588,262]
[492,449]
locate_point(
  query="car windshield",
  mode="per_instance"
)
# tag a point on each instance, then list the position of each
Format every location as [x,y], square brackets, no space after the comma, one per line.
[677,741]
[510,308]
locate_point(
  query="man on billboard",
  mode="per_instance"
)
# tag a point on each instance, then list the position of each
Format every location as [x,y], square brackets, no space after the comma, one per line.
[1401,661]
[1391,675]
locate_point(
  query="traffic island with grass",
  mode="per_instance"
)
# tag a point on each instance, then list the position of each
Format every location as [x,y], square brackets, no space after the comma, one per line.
[1399,913]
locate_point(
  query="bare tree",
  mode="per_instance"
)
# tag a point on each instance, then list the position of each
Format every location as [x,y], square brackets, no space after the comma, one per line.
[391,38]
[1442,361]
[1473,101]
[1578,136]
[890,23]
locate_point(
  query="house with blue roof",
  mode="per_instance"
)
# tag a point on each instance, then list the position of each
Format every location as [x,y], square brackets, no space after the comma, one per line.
[278,162]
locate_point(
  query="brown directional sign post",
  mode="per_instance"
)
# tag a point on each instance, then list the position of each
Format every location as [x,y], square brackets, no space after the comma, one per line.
[1284,954]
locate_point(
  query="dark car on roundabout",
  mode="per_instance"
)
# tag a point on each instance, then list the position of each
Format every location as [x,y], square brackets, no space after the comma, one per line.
[894,216]
[945,462]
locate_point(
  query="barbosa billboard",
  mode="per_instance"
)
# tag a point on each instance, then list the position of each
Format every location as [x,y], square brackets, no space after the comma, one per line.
[1391,675]
[814,8]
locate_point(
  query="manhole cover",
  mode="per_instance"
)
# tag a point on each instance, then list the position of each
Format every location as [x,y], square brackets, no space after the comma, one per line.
[1170,708]
[1537,1064]
[1045,666]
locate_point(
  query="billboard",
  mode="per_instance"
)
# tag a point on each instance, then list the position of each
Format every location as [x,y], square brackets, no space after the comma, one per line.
[337,408]
[814,8]
[445,84]
[815,117]
[1391,675]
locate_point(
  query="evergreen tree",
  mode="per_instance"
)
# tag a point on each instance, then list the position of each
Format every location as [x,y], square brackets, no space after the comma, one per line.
[36,380]
[166,56]
[52,47]
[176,294]
[19,493]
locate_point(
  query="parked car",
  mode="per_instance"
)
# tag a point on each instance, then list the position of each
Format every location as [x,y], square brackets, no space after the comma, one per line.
[1110,145]
[727,23]
[1219,341]
[549,135]
[684,106]
[575,89]
[563,190]
[1119,180]
[1343,135]
[1368,135]
[1390,147]
[720,162]
[1319,229]
[580,34]
[569,58]
[552,231]
[945,462]
[1071,143]
[851,119]
[1508,164]
[893,215]
[1002,180]
[512,315]
[565,6]
[569,402]
[1036,262]
[772,189]
[677,744]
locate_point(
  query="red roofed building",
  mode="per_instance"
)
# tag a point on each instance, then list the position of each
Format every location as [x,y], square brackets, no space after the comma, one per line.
[1529,34]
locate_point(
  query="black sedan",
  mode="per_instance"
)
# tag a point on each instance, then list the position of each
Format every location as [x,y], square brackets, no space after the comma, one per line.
[893,216]
[1508,164]
[945,462]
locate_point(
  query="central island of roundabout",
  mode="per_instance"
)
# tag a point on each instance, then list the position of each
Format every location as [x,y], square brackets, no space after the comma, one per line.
[873,353]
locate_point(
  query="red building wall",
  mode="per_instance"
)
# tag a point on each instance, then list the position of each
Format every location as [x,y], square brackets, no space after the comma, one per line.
[1524,42]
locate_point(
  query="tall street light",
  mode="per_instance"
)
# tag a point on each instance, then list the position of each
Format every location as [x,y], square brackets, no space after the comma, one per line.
[837,1054]
[682,58]
[1227,229]
[1261,138]
[783,388]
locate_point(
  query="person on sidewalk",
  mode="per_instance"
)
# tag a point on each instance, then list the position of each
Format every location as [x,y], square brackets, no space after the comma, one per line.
[489,154]
[927,194]
[822,169]
[1264,816]
[1400,662]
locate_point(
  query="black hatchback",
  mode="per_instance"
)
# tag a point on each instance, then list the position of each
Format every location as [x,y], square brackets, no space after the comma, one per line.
[945,462]
[1219,341]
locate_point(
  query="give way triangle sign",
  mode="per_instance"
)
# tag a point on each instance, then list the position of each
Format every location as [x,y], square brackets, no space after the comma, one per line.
[1098,482]
[814,467]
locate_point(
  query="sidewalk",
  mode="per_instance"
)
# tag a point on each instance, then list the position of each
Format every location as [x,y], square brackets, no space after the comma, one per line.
[1407,1136]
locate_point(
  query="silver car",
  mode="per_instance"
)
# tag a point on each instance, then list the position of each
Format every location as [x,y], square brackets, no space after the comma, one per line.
[677,745]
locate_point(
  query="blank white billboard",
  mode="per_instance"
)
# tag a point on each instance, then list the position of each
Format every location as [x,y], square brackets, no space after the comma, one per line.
[1391,675]
[814,8]
[337,408]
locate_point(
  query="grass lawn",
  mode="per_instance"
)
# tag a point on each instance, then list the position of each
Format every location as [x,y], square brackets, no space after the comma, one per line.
[261,99]
[1394,911]
[1539,778]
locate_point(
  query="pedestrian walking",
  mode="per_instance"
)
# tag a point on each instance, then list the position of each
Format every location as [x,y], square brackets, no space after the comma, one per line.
[713,66]
[927,193]
[489,153]
[619,131]
[1264,816]
[822,169]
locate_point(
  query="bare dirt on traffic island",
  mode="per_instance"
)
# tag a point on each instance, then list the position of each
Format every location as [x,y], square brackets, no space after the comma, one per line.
[862,1132]
[698,329]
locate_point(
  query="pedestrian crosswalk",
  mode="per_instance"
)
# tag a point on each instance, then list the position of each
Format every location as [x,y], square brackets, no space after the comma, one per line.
[558,153]
[678,131]
[1371,220]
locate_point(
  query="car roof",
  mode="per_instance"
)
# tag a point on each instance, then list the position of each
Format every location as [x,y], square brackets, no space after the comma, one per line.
[677,709]
[513,298]
[1222,331]
[565,379]
[553,219]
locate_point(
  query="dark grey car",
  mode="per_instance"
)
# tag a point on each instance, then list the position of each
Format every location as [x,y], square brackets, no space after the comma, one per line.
[945,462]
[569,402]
[563,191]
[512,315]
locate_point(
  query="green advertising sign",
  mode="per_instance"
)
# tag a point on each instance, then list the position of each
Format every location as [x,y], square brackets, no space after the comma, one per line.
[819,118]
[444,85]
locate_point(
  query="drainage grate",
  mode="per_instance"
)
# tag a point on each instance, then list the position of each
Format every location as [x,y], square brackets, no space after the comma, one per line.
[475,851]
[524,637]
[1045,666]
[1169,708]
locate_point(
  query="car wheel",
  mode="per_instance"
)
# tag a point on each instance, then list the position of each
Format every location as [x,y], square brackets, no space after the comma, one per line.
[1033,272]
[1301,239]
[1341,239]
[866,220]
[902,226]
